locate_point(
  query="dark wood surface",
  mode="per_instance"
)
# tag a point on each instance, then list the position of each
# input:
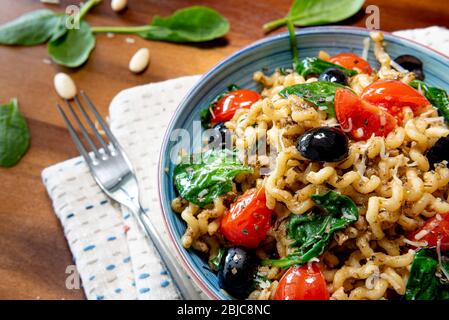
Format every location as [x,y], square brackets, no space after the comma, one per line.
[33,251]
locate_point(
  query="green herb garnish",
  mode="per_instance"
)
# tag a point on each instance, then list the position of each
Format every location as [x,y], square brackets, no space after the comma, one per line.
[320,93]
[436,96]
[202,182]
[313,231]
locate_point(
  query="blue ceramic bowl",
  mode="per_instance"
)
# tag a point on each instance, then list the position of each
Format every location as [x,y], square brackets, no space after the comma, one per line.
[267,55]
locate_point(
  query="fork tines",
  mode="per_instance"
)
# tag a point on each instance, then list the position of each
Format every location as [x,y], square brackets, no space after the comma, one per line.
[106,150]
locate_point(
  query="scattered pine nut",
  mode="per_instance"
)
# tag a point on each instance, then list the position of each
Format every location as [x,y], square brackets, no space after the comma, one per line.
[64,86]
[118,5]
[130,40]
[140,60]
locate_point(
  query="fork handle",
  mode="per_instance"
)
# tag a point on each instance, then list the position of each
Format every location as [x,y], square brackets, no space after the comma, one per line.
[180,279]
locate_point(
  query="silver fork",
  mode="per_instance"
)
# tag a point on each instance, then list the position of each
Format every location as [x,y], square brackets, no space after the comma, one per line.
[115,175]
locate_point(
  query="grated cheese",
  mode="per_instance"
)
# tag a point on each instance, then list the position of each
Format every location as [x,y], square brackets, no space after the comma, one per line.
[416,243]
[349,126]
[398,67]
[366,45]
[421,234]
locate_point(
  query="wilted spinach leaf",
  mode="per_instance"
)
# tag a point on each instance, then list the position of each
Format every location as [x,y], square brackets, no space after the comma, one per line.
[201,183]
[426,281]
[436,96]
[320,93]
[14,136]
[313,231]
[316,66]
[215,262]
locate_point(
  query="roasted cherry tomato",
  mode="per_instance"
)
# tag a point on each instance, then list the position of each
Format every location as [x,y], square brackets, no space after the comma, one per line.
[225,107]
[302,283]
[248,220]
[351,61]
[434,229]
[361,119]
[394,96]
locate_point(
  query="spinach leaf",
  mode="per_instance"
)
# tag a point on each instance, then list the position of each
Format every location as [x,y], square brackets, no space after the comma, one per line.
[316,66]
[320,93]
[205,114]
[72,48]
[14,135]
[436,96]
[425,281]
[32,28]
[192,24]
[201,183]
[314,12]
[215,262]
[312,232]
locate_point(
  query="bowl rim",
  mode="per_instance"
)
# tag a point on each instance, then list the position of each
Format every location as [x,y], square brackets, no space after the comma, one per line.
[161,171]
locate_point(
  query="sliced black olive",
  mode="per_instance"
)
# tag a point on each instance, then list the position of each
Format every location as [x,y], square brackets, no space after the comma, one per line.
[334,75]
[411,63]
[324,144]
[219,136]
[237,270]
[439,151]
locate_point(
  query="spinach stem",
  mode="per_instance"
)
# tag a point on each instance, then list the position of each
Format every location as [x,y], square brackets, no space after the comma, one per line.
[280,22]
[293,44]
[274,24]
[122,29]
[86,7]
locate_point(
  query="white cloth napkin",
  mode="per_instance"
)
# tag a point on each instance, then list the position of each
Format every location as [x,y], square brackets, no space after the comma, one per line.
[112,256]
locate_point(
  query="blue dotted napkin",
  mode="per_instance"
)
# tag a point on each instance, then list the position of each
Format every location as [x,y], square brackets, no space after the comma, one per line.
[112,256]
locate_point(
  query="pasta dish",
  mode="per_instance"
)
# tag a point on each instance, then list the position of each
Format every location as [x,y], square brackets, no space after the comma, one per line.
[329,183]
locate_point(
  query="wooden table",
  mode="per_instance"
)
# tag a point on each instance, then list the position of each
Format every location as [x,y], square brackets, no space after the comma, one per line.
[33,251]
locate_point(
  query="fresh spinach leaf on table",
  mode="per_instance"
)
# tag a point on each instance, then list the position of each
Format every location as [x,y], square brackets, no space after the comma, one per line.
[192,24]
[73,48]
[320,93]
[67,47]
[32,28]
[315,12]
[427,281]
[436,96]
[313,231]
[14,135]
[202,182]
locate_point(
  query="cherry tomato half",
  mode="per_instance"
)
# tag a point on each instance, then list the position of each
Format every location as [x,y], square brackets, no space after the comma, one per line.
[394,96]
[225,107]
[302,283]
[361,119]
[351,61]
[247,222]
[434,229]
